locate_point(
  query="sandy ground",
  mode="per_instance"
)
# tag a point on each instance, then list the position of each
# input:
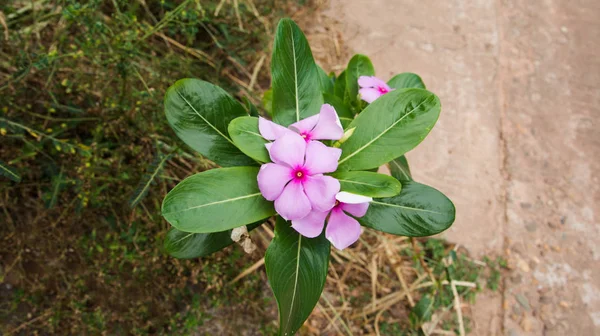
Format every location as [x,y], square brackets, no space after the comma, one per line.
[516,147]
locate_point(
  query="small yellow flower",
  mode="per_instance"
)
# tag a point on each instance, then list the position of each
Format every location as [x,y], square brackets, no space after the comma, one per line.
[3,131]
[87,165]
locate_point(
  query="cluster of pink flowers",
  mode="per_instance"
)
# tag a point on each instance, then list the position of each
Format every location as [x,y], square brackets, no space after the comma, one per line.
[295,180]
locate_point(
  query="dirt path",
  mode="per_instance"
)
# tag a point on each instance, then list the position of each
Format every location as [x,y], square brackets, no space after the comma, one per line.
[516,147]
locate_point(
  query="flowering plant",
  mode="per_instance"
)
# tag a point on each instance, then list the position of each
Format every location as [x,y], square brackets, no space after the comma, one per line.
[314,167]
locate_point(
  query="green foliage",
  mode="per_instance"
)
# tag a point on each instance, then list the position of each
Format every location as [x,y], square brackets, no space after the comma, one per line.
[389,127]
[199,113]
[400,169]
[187,245]
[406,80]
[9,172]
[295,78]
[417,211]
[246,136]
[368,183]
[216,200]
[359,65]
[297,269]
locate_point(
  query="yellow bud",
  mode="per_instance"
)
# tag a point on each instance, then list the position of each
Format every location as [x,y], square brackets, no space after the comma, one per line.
[347,135]
[3,131]
[58,148]
[63,125]
[64,82]
[49,130]
[87,164]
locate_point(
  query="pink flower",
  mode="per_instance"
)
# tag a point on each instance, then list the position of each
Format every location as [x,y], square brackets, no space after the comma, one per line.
[295,179]
[323,126]
[342,230]
[372,88]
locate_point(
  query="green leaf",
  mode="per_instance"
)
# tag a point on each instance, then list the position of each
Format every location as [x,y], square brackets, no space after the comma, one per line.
[199,113]
[368,184]
[339,86]
[216,200]
[188,245]
[9,172]
[359,65]
[251,108]
[51,196]
[267,101]
[296,269]
[148,179]
[399,169]
[389,127]
[422,311]
[406,80]
[295,78]
[344,113]
[325,81]
[246,136]
[418,211]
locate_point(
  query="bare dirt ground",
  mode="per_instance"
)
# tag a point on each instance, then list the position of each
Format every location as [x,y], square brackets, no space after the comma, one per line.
[516,147]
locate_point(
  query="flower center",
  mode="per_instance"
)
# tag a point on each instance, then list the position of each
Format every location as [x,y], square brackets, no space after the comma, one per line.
[382,90]
[337,203]
[299,174]
[305,136]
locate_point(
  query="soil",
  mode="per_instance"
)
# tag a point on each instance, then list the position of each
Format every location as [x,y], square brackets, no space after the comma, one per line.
[516,146]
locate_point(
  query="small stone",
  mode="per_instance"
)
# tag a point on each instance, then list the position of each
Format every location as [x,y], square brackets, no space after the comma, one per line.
[526,324]
[525,205]
[523,266]
[564,304]
[522,300]
[531,227]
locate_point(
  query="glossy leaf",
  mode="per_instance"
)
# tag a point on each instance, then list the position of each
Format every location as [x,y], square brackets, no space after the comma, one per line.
[296,269]
[344,113]
[199,113]
[389,127]
[188,245]
[406,80]
[295,78]
[418,211]
[325,81]
[267,101]
[339,86]
[399,169]
[368,183]
[246,136]
[9,172]
[216,200]
[359,65]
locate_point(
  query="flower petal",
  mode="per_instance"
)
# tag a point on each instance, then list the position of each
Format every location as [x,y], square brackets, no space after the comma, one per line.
[312,225]
[342,230]
[369,95]
[346,197]
[328,127]
[305,125]
[356,210]
[272,178]
[288,150]
[321,191]
[320,158]
[370,81]
[292,204]
[270,130]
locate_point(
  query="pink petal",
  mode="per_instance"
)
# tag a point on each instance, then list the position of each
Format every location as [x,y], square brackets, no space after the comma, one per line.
[312,225]
[288,150]
[270,130]
[320,158]
[369,95]
[356,210]
[272,178]
[292,204]
[328,127]
[321,191]
[370,81]
[305,125]
[346,197]
[342,230]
